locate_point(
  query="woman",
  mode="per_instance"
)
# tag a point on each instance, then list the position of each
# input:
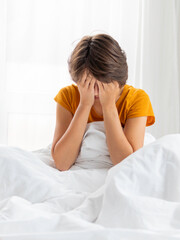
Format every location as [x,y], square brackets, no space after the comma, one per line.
[98,67]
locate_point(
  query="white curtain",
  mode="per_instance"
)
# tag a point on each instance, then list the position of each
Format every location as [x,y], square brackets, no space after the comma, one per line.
[37,37]
[158,61]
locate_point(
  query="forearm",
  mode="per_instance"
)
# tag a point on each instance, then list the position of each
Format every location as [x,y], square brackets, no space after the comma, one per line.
[67,148]
[118,145]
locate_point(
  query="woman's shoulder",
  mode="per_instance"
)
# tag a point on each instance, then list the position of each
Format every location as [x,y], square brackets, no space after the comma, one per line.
[132,93]
[134,90]
[138,104]
[69,91]
[68,96]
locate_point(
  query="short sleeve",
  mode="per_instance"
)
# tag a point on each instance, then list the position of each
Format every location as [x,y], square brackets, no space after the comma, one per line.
[64,98]
[141,106]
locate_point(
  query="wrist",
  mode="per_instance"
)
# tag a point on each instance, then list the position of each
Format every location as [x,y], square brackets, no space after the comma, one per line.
[109,107]
[84,106]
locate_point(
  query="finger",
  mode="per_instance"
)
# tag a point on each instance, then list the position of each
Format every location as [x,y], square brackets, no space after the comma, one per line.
[105,85]
[88,79]
[100,85]
[92,83]
[115,83]
[82,79]
[110,85]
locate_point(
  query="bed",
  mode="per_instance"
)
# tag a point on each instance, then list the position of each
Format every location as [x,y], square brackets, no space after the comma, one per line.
[139,198]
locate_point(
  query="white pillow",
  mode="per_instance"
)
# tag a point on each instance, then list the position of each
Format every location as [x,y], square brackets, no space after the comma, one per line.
[148,138]
[94,151]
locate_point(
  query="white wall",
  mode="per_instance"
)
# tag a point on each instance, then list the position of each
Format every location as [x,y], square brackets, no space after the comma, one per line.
[37,38]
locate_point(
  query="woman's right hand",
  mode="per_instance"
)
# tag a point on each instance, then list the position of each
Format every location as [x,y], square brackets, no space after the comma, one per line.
[86,89]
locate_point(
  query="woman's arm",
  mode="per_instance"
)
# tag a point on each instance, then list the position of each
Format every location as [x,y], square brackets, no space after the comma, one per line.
[122,143]
[67,147]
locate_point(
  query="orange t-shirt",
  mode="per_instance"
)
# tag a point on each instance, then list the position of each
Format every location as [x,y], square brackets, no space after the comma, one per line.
[133,102]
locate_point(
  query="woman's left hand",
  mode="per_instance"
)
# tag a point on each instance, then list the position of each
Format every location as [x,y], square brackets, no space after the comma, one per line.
[108,93]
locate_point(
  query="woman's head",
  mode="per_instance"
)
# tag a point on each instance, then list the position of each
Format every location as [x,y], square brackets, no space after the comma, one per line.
[100,56]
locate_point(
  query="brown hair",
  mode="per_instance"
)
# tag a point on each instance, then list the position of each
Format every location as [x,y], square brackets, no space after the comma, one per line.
[102,57]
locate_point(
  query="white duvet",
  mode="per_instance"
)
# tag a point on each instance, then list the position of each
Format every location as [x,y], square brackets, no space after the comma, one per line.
[137,199]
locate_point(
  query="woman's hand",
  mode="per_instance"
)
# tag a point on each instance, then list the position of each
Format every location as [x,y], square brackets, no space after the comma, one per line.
[86,89]
[108,93]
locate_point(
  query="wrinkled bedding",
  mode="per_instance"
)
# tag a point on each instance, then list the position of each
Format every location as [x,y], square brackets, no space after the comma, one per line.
[139,198]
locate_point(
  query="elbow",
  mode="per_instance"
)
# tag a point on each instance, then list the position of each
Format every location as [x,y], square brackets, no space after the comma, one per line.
[59,164]
[131,151]
[121,157]
[127,154]
[134,149]
[60,167]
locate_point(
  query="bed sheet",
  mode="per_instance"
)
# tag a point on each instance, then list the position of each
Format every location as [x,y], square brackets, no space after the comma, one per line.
[139,198]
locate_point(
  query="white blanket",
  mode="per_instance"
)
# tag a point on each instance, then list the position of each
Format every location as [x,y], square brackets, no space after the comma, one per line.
[139,198]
